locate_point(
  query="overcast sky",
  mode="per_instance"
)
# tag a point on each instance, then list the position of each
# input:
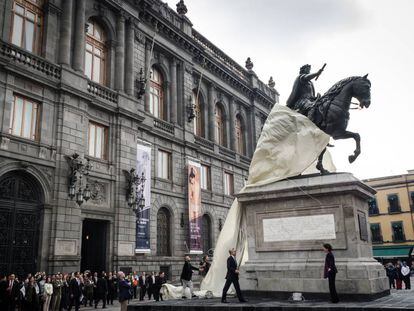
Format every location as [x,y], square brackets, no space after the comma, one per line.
[353,37]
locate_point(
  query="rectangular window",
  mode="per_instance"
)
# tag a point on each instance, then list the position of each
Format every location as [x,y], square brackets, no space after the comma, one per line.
[24,118]
[394,203]
[164,165]
[98,141]
[376,234]
[27,25]
[397,231]
[205,177]
[412,200]
[228,184]
[372,207]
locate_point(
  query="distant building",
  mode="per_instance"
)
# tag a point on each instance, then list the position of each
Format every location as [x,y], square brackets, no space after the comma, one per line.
[72,81]
[391,216]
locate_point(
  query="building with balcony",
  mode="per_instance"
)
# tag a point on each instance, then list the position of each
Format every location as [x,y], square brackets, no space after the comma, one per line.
[82,84]
[391,216]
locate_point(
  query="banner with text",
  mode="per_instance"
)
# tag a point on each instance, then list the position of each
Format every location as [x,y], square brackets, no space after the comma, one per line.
[194,206]
[142,242]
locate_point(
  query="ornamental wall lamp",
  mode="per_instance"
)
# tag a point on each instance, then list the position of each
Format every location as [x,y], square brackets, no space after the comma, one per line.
[78,169]
[190,109]
[135,191]
[140,84]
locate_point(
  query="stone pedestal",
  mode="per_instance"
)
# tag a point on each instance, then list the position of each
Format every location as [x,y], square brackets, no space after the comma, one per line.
[287,223]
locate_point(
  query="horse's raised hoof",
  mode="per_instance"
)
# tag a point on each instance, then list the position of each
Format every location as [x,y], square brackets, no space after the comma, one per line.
[351,158]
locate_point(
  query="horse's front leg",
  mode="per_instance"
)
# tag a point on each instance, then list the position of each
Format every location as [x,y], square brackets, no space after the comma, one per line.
[357,139]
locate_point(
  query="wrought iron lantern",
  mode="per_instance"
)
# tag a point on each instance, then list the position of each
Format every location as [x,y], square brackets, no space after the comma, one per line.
[78,169]
[135,191]
[190,109]
[140,84]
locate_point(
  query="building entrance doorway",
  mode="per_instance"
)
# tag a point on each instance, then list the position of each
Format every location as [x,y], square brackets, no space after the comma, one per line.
[94,244]
[21,201]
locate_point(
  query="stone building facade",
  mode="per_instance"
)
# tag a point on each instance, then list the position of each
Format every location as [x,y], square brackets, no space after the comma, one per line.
[391,217]
[71,82]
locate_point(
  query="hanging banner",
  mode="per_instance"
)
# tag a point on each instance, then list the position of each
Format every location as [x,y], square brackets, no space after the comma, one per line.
[142,241]
[194,206]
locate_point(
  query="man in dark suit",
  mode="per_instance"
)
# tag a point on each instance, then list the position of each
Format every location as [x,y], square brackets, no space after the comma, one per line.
[75,292]
[101,290]
[159,280]
[142,282]
[151,284]
[232,276]
[12,292]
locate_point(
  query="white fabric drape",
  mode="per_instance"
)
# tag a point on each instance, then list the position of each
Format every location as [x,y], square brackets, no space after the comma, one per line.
[289,145]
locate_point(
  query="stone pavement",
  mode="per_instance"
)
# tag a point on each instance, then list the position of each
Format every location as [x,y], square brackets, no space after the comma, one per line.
[398,300]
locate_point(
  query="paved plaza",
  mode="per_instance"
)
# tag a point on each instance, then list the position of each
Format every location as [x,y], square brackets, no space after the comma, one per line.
[398,300]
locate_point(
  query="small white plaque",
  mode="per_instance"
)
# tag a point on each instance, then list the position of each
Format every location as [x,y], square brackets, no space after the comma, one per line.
[66,247]
[125,249]
[315,227]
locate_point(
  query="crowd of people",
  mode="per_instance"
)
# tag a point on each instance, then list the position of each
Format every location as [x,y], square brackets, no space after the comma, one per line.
[398,274]
[67,291]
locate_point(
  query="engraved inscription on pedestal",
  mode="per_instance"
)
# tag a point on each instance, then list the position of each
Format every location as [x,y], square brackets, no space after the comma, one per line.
[302,228]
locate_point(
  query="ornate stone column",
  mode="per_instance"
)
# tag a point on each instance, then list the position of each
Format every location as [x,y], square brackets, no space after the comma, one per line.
[129,58]
[232,121]
[79,46]
[65,33]
[173,90]
[211,105]
[120,53]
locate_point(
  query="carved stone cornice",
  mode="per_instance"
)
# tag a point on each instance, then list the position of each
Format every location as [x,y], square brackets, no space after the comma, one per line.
[51,8]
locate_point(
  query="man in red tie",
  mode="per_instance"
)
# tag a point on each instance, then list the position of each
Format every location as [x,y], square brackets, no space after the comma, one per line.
[12,292]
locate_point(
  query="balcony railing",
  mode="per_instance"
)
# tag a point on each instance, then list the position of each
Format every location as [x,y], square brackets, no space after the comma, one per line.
[204,142]
[163,125]
[29,60]
[377,240]
[394,209]
[398,238]
[220,55]
[102,91]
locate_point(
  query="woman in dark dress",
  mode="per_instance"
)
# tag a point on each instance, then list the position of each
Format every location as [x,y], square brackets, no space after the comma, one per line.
[330,271]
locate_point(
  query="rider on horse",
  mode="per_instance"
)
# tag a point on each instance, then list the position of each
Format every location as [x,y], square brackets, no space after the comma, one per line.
[303,92]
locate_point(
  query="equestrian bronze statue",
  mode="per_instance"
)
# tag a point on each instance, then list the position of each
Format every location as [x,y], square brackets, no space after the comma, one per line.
[330,112]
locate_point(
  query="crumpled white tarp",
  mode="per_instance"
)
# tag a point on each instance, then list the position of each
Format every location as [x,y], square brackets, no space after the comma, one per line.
[289,145]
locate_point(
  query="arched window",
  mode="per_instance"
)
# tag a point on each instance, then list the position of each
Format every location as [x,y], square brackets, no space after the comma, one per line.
[163,232]
[198,111]
[219,125]
[206,233]
[239,129]
[156,104]
[95,53]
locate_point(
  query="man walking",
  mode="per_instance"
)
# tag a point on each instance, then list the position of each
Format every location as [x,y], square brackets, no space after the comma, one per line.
[75,292]
[142,281]
[101,290]
[232,276]
[186,275]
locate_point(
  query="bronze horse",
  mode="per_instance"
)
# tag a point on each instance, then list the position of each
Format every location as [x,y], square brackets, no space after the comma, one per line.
[330,112]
